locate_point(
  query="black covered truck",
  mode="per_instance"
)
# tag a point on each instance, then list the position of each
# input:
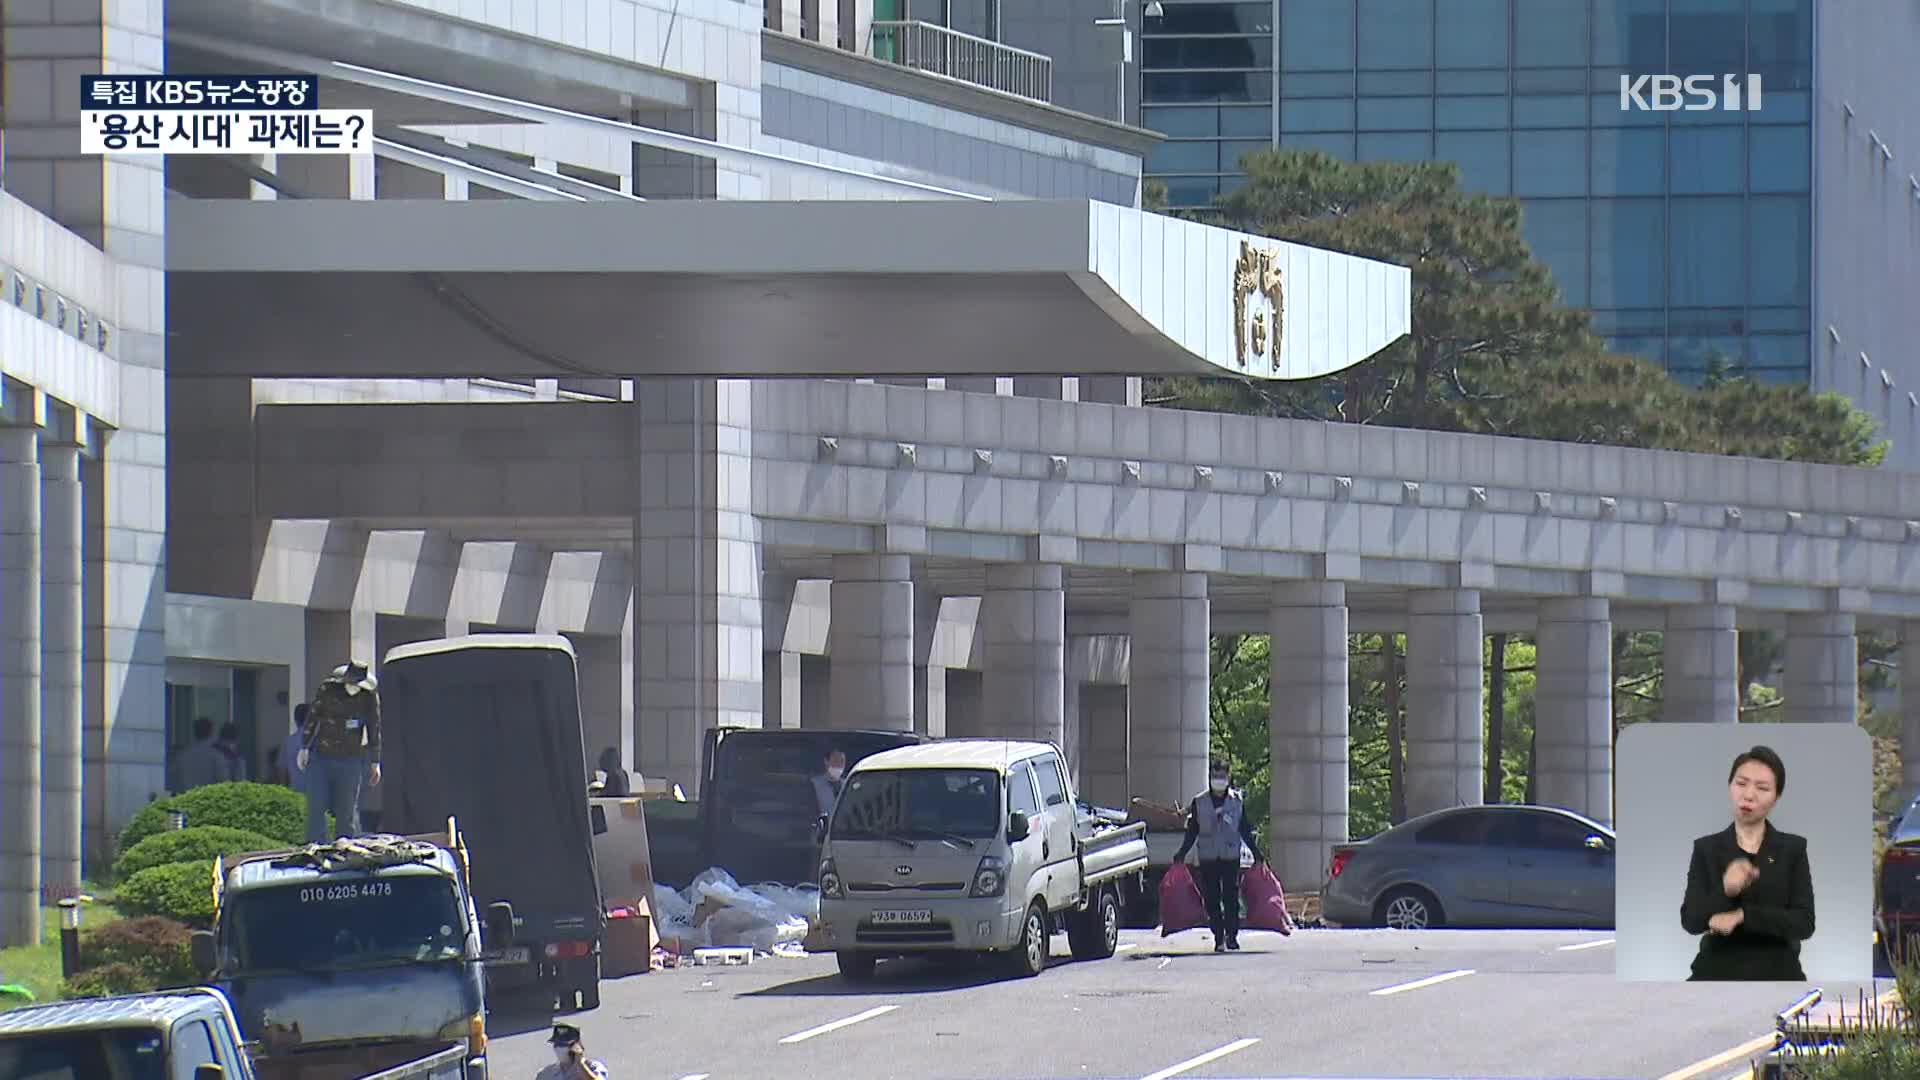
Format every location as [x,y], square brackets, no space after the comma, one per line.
[486,729]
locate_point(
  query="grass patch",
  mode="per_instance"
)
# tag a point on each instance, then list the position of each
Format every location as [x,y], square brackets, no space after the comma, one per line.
[37,967]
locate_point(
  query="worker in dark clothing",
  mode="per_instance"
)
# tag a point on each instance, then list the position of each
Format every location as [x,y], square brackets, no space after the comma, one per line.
[1217,824]
[826,782]
[340,747]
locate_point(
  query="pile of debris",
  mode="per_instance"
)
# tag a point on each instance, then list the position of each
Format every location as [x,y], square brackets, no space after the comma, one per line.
[716,911]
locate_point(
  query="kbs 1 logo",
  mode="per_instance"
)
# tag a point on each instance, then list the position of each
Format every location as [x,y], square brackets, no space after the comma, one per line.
[1694,93]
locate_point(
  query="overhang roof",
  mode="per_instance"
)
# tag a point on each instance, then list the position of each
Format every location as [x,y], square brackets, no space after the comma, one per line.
[501,288]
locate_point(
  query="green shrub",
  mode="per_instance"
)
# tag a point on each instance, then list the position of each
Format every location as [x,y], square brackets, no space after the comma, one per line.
[267,809]
[200,843]
[182,890]
[159,947]
[108,980]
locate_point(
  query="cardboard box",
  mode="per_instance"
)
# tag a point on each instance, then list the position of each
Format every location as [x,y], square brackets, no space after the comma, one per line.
[620,854]
[627,948]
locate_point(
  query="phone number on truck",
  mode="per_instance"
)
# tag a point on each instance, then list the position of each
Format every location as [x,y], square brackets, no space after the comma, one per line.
[322,893]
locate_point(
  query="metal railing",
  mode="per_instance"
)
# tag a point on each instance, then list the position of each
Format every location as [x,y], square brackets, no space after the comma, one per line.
[934,49]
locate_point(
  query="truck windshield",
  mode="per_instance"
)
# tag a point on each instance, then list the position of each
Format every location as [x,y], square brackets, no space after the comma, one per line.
[345,922]
[133,1053]
[919,804]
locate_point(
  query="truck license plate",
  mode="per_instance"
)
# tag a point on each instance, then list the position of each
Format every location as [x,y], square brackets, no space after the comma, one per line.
[898,918]
[516,955]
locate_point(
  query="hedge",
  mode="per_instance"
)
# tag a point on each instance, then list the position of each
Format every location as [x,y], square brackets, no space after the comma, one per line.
[199,843]
[267,809]
[158,947]
[182,890]
[107,980]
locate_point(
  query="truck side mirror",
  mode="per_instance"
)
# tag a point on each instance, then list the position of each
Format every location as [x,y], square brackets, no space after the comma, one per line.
[499,926]
[820,830]
[209,1072]
[1018,827]
[201,946]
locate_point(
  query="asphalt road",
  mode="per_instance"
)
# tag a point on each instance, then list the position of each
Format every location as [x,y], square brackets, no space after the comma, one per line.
[1345,1004]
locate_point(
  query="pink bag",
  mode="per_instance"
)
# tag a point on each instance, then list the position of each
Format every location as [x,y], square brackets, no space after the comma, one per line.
[1266,901]
[1181,905]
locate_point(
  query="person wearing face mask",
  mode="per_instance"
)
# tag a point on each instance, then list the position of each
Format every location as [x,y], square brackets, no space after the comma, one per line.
[340,747]
[1750,886]
[1217,824]
[570,1060]
[826,784]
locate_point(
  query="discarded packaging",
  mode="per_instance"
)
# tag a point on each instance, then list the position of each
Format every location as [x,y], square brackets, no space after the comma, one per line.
[723,957]
[716,911]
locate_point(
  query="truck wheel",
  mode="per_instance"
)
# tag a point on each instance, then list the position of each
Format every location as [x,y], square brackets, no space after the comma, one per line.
[1029,956]
[1095,934]
[855,966]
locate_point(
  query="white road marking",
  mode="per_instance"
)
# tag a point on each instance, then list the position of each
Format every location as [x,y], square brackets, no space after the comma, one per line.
[1209,1056]
[695,1076]
[1431,980]
[1586,945]
[803,1036]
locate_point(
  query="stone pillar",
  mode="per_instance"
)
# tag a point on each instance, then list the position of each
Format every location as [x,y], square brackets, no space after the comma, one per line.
[1168,706]
[781,674]
[598,659]
[1910,701]
[1307,725]
[19,687]
[1573,707]
[926,623]
[1700,677]
[871,635]
[62,637]
[1103,744]
[1023,615]
[1822,684]
[1445,721]
[1070,720]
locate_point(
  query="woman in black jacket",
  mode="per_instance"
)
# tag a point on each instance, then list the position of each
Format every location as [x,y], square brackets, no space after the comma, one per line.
[1750,886]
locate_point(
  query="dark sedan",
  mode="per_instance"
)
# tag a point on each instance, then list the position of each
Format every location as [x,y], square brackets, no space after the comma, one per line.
[1477,866]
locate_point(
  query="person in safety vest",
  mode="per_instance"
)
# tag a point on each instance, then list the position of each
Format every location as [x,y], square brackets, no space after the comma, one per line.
[1217,825]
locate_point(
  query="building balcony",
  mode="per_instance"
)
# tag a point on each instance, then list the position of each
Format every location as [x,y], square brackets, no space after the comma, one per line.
[938,50]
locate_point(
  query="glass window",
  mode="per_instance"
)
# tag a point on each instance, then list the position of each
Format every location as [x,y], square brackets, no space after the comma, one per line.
[1764,319]
[1631,34]
[1483,158]
[1189,120]
[1550,33]
[1315,116]
[1471,33]
[1630,322]
[1629,161]
[1472,82]
[1707,252]
[192,1048]
[1316,84]
[1557,111]
[1608,113]
[1782,106]
[1550,81]
[1780,351]
[1396,33]
[1020,797]
[1316,35]
[1550,163]
[123,1053]
[1782,261]
[1231,152]
[1706,321]
[1695,353]
[1781,376]
[1396,114]
[1387,83]
[1053,786]
[1207,86]
[1340,146]
[347,924]
[1629,253]
[1243,121]
[1395,148]
[1255,18]
[1708,161]
[1184,157]
[1706,36]
[1540,831]
[921,804]
[1556,230]
[1780,158]
[1208,52]
[1468,827]
[1647,348]
[1780,37]
[1190,191]
[1470,112]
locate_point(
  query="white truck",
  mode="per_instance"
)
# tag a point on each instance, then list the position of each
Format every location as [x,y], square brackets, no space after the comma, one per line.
[970,845]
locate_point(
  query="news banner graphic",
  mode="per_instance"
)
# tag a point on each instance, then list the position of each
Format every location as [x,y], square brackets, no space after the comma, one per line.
[216,114]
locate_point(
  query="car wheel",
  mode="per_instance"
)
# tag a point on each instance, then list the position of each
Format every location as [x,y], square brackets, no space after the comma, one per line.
[856,966]
[1029,956]
[1095,933]
[1407,908]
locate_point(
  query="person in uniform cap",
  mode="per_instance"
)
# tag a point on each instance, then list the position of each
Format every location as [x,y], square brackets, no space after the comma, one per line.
[570,1058]
[340,748]
[1217,823]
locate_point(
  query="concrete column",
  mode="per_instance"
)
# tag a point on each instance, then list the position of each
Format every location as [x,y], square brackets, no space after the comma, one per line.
[1023,615]
[1070,720]
[601,673]
[1910,701]
[871,642]
[926,623]
[1822,684]
[19,687]
[1445,720]
[62,636]
[965,695]
[1573,707]
[1168,704]
[1307,725]
[1103,744]
[781,688]
[1700,677]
